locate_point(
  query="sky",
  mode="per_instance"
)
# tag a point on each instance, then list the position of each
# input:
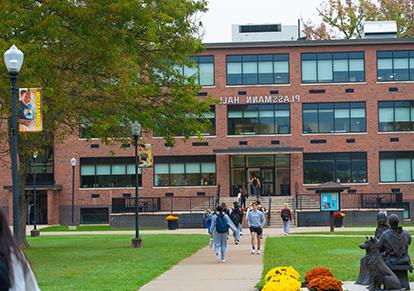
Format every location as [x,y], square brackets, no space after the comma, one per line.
[222,14]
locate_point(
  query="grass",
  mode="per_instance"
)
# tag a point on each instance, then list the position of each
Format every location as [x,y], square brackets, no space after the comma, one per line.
[106,262]
[361,233]
[341,254]
[90,228]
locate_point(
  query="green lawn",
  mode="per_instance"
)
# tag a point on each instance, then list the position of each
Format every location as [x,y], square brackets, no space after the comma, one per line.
[361,233]
[106,262]
[90,228]
[340,254]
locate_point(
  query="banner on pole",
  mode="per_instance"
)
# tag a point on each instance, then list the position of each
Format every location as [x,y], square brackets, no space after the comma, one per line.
[145,155]
[30,110]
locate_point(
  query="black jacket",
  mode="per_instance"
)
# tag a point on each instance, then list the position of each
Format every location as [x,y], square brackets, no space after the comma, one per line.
[4,274]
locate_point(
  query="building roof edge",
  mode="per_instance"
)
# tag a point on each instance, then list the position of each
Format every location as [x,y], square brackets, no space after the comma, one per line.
[308,43]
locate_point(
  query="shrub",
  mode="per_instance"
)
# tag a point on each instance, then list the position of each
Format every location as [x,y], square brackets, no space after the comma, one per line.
[324,283]
[317,272]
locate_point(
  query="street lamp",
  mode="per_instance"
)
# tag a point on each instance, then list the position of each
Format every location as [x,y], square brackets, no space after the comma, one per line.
[73,164]
[13,58]
[136,132]
[34,231]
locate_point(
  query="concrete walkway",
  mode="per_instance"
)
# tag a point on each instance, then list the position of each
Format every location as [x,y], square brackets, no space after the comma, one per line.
[202,272]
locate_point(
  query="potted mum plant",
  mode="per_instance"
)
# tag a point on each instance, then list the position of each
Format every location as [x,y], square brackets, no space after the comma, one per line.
[172,222]
[339,219]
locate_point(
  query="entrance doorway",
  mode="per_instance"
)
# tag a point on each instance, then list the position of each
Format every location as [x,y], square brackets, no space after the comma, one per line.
[41,207]
[273,172]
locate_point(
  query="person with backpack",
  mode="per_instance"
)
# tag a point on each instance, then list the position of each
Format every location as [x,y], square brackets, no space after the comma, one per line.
[255,186]
[286,216]
[220,224]
[236,217]
[256,221]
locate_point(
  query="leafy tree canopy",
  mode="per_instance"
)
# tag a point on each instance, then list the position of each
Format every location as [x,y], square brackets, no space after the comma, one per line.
[110,62]
[344,18]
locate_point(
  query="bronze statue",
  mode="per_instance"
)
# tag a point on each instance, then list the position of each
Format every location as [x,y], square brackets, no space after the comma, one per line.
[364,277]
[394,242]
[380,274]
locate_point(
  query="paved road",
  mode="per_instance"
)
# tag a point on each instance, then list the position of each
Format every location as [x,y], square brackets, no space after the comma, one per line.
[202,271]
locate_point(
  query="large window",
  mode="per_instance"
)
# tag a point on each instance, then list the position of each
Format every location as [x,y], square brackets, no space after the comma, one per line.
[396,166]
[395,66]
[202,70]
[334,117]
[338,67]
[257,69]
[43,167]
[211,128]
[108,172]
[185,171]
[339,167]
[395,116]
[258,119]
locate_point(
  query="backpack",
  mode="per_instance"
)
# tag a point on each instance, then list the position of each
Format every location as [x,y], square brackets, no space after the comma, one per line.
[235,216]
[285,215]
[221,224]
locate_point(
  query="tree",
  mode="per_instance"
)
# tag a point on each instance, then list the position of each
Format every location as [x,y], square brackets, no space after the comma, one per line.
[109,62]
[344,18]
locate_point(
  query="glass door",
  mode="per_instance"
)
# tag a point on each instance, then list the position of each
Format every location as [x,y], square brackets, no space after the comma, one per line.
[267,182]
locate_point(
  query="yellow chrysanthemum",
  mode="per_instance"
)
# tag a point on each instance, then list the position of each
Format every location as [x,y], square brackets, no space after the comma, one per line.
[282,271]
[282,283]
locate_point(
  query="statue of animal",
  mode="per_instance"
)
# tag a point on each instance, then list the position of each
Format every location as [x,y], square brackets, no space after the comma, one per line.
[380,273]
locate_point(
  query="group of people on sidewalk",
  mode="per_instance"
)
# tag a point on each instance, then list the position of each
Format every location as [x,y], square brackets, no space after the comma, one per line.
[219,222]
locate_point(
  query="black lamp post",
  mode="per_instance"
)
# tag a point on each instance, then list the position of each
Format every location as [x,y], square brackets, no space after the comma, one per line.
[72,226]
[13,58]
[34,231]
[136,132]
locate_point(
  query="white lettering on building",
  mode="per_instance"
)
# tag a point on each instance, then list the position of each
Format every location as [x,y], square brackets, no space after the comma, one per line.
[261,99]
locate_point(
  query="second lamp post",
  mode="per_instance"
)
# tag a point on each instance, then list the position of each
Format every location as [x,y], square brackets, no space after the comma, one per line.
[34,231]
[72,226]
[136,132]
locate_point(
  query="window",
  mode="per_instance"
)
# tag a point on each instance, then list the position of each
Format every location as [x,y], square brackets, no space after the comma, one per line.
[211,129]
[339,167]
[258,119]
[395,66]
[338,67]
[397,166]
[257,69]
[395,116]
[338,117]
[43,167]
[185,171]
[202,70]
[108,172]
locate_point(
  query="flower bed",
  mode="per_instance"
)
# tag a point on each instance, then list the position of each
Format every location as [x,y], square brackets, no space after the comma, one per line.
[288,279]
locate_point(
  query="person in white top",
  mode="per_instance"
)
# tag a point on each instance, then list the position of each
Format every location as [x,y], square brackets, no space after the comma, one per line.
[15,271]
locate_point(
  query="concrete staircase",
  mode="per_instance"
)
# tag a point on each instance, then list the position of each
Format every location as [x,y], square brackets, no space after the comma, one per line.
[277,203]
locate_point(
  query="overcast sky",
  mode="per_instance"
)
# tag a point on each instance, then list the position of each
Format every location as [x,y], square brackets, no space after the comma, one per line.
[223,13]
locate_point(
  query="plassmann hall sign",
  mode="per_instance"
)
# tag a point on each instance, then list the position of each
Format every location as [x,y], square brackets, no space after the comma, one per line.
[270,99]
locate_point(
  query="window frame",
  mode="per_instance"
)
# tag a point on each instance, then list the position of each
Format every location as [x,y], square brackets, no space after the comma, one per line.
[335,156]
[257,56]
[410,55]
[317,104]
[256,108]
[196,60]
[185,160]
[332,59]
[394,156]
[394,102]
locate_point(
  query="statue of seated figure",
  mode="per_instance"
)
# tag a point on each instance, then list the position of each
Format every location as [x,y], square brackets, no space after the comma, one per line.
[394,242]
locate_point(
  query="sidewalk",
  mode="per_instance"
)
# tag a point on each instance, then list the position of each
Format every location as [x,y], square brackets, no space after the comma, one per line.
[202,272]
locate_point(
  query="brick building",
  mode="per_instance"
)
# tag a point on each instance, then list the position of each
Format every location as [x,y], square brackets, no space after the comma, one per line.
[292,113]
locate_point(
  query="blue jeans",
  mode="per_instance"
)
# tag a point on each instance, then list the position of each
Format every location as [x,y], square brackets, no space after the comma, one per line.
[236,235]
[286,226]
[220,244]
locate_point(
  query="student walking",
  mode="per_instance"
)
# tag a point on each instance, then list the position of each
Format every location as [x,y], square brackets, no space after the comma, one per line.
[236,217]
[286,216]
[220,225]
[243,196]
[15,271]
[256,221]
